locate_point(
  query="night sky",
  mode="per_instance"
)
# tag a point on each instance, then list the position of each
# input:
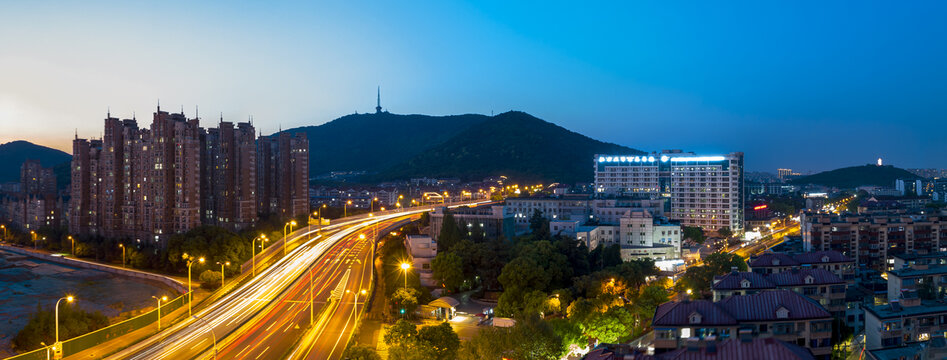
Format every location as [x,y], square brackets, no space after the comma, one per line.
[810,85]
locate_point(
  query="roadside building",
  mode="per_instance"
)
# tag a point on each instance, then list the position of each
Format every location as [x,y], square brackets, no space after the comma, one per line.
[421,251]
[779,314]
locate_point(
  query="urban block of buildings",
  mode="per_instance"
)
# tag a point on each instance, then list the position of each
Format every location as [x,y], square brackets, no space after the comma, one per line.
[704,191]
[149,183]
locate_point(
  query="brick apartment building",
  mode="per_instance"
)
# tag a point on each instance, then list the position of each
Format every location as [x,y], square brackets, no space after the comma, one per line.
[148,183]
[873,240]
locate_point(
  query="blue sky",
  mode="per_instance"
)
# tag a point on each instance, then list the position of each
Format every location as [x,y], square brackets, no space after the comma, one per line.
[804,84]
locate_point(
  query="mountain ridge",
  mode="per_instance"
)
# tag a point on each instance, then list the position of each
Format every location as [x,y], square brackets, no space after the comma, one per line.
[515,144]
[854,176]
[14,153]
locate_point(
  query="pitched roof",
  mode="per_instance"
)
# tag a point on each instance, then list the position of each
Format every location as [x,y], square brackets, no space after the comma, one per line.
[734,281]
[677,313]
[768,348]
[798,277]
[773,259]
[822,256]
[764,305]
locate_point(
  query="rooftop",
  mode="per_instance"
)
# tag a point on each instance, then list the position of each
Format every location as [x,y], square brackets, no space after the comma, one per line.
[912,272]
[895,310]
[764,306]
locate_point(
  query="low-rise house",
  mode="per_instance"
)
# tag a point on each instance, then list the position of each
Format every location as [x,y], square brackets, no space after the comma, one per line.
[779,314]
[834,261]
[819,285]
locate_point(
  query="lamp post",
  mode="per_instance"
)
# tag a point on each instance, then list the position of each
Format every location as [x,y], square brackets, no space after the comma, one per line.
[123,253]
[4,227]
[73,244]
[211,329]
[163,298]
[68,299]
[222,272]
[190,261]
[345,208]
[262,238]
[404,267]
[33,236]
[290,225]
[363,292]
[400,197]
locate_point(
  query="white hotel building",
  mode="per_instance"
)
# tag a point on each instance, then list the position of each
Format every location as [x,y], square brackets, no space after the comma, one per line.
[705,191]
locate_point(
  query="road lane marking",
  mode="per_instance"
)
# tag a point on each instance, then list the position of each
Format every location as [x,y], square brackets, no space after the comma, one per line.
[198,344]
[261,352]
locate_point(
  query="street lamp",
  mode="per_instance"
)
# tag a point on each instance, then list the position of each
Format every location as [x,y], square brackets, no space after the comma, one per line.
[4,227]
[69,299]
[404,267]
[73,244]
[163,298]
[33,236]
[222,272]
[211,329]
[345,208]
[190,261]
[290,224]
[262,238]
[123,253]
[363,292]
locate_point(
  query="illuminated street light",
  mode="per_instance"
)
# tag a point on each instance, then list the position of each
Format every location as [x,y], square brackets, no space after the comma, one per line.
[163,298]
[290,225]
[404,267]
[222,272]
[262,238]
[68,299]
[123,253]
[73,244]
[190,261]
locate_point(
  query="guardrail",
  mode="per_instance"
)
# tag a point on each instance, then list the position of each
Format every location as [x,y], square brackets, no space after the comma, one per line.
[86,341]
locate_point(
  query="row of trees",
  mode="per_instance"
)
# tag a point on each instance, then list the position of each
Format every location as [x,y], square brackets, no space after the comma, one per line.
[41,326]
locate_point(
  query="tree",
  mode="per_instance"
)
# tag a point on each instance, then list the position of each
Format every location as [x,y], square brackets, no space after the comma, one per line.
[572,337]
[210,279]
[72,322]
[441,340]
[636,272]
[530,338]
[724,232]
[361,353]
[450,233]
[610,326]
[721,263]
[448,269]
[554,264]
[404,299]
[539,225]
[693,233]
[611,256]
[523,273]
[401,333]
[697,279]
[582,309]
